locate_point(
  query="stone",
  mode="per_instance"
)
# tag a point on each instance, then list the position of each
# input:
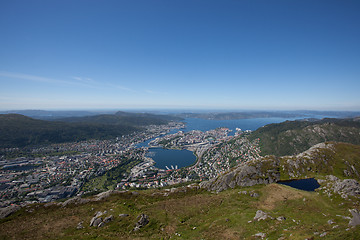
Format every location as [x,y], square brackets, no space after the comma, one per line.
[108,219]
[330,222]
[260,234]
[98,214]
[260,215]
[80,225]
[123,215]
[254,194]
[97,222]
[323,234]
[143,221]
[281,218]
[100,224]
[356,217]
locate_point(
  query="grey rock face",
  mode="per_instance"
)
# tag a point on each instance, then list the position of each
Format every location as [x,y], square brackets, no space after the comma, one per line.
[348,186]
[356,217]
[103,195]
[143,221]
[261,171]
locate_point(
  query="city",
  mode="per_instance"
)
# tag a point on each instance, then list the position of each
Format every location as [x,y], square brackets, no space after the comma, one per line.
[64,170]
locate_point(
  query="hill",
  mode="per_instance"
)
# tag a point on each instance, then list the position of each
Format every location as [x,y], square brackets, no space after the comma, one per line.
[251,211]
[20,131]
[340,160]
[131,119]
[293,137]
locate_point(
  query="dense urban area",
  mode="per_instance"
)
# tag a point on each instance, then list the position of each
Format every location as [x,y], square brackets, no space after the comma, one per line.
[59,171]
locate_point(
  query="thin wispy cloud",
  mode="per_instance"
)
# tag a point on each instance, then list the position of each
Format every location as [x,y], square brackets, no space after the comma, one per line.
[155,92]
[120,87]
[79,81]
[84,80]
[32,78]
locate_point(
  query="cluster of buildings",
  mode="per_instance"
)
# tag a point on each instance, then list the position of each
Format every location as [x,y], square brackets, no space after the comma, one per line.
[47,178]
[216,151]
[51,177]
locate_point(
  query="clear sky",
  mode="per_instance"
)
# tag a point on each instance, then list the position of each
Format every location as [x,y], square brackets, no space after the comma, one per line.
[224,54]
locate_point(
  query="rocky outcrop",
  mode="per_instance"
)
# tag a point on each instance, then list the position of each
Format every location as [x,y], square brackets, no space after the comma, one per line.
[98,221]
[4,212]
[143,221]
[261,215]
[75,200]
[345,188]
[348,187]
[261,171]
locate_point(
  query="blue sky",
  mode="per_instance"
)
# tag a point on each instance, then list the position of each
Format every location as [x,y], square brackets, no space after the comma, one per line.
[228,54]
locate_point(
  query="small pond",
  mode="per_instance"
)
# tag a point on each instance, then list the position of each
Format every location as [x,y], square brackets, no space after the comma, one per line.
[309,184]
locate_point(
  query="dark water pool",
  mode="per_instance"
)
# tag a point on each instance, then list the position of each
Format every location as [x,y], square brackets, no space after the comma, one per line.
[309,184]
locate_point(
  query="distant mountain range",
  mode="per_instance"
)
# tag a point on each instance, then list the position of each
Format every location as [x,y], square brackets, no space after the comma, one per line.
[268,114]
[19,131]
[215,115]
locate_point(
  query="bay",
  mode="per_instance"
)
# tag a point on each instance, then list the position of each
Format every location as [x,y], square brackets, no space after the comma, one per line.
[171,158]
[183,158]
[245,124]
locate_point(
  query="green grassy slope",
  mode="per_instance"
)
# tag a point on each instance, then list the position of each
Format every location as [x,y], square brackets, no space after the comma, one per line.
[193,214]
[293,137]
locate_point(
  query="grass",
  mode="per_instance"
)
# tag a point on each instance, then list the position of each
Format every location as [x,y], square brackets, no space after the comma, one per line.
[196,214]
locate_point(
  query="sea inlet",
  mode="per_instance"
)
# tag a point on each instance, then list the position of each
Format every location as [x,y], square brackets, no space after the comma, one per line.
[171,158]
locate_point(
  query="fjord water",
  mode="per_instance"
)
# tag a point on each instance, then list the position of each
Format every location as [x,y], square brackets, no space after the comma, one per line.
[183,158]
[170,157]
[245,124]
[309,184]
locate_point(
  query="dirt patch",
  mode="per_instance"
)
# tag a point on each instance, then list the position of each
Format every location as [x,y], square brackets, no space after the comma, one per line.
[275,193]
